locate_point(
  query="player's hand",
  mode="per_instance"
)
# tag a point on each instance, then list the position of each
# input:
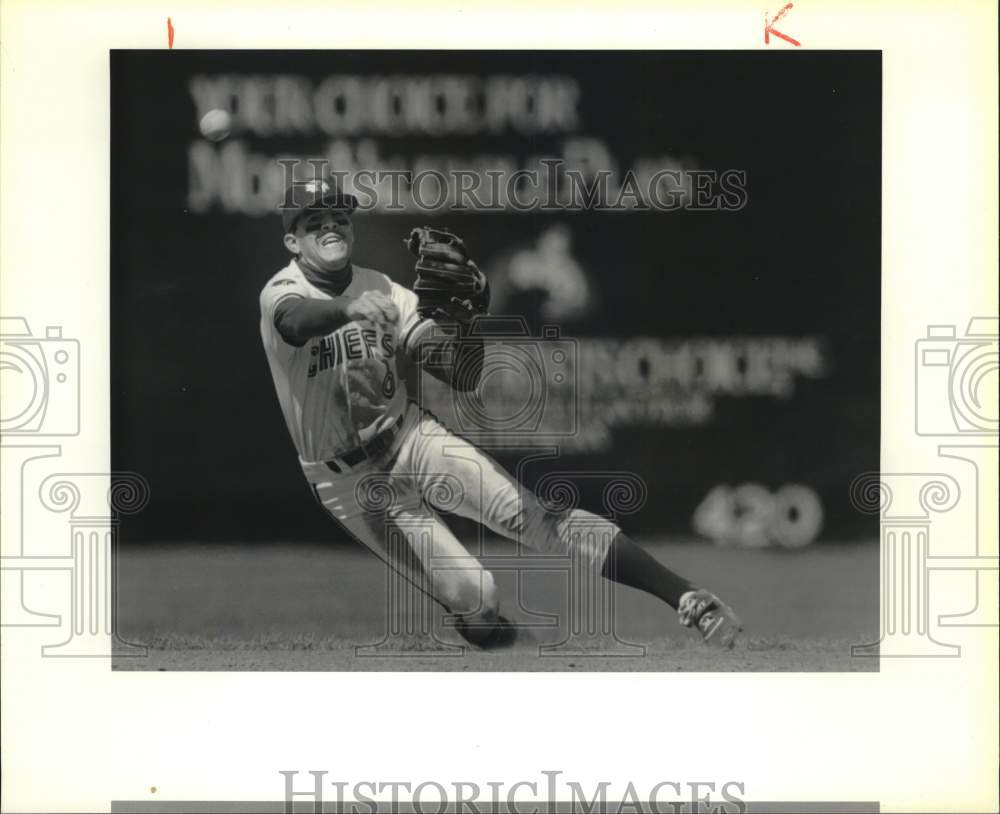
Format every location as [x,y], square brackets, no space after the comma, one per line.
[375,307]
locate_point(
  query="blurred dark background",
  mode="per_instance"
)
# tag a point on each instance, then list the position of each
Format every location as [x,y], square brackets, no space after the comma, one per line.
[193,406]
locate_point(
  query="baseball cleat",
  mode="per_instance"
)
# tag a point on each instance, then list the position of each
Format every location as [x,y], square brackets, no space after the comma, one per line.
[495,636]
[716,622]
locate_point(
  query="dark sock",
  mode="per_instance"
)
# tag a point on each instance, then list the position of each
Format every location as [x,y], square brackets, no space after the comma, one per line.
[627,564]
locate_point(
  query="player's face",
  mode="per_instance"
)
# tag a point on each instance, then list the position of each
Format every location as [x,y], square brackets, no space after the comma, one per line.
[323,239]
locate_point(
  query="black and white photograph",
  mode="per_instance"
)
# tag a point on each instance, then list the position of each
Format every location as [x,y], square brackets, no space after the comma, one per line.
[495,408]
[497,360]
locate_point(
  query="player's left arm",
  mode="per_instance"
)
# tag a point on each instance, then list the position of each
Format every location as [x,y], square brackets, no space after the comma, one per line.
[446,348]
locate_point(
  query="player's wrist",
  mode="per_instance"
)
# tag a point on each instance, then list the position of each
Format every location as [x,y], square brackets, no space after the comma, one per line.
[415,335]
[341,309]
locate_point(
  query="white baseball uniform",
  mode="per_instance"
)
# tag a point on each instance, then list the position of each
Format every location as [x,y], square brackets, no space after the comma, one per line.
[338,392]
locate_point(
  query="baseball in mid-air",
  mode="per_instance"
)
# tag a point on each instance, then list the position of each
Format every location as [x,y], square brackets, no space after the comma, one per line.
[216,124]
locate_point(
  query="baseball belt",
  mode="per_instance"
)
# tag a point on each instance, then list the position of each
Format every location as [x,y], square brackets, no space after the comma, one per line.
[378,445]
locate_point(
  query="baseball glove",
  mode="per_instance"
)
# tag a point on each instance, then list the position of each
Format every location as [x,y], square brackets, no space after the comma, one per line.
[448,283]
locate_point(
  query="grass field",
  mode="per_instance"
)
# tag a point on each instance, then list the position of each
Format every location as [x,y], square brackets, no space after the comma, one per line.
[295,607]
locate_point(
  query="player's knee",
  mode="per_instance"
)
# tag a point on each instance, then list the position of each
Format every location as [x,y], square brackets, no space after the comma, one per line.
[486,595]
[491,598]
[475,595]
[571,531]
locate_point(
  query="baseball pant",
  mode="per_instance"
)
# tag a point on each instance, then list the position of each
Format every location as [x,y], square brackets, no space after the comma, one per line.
[391,503]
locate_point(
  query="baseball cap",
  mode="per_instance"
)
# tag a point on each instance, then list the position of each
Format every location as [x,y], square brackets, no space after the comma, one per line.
[315,193]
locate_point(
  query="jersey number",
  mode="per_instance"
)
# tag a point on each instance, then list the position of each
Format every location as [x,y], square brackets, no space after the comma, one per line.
[389,382]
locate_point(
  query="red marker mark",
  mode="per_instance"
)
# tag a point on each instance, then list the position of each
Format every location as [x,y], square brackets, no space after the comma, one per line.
[170,33]
[769,28]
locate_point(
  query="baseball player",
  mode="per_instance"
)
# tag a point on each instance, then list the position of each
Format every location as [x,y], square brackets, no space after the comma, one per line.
[337,336]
